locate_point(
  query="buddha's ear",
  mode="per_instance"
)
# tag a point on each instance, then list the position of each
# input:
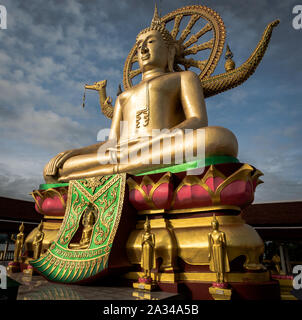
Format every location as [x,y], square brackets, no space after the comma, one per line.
[171,57]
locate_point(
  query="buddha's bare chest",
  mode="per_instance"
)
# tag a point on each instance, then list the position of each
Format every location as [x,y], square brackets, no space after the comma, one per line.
[217,238]
[157,95]
[151,104]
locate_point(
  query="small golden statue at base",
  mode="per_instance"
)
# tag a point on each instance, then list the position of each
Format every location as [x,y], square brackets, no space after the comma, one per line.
[37,243]
[88,223]
[277,264]
[218,258]
[219,262]
[14,266]
[147,261]
[36,247]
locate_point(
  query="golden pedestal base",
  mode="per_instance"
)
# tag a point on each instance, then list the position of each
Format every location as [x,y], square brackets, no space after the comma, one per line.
[29,270]
[220,293]
[240,277]
[145,286]
[13,268]
[187,238]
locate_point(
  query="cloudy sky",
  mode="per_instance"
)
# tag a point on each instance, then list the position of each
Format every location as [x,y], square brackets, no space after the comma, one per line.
[50,49]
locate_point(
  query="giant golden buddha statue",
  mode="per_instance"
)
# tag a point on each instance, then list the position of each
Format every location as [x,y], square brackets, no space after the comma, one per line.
[164,99]
[159,132]
[167,98]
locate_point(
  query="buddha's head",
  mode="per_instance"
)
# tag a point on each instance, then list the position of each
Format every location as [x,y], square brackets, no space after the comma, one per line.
[89,218]
[40,226]
[147,226]
[21,228]
[215,223]
[156,48]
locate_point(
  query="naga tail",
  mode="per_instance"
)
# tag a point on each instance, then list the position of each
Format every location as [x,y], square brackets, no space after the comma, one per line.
[231,79]
[105,102]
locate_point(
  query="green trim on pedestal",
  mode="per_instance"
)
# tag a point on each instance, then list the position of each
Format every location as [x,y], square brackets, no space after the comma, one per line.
[45,186]
[193,165]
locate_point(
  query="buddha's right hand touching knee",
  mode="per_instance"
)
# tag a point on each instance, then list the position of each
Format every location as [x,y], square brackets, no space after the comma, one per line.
[56,162]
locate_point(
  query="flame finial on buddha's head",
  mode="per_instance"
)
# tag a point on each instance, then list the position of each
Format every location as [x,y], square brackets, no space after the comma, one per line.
[158,25]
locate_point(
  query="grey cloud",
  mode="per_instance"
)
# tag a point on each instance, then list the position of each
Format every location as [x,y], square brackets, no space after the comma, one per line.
[276,189]
[46,129]
[18,187]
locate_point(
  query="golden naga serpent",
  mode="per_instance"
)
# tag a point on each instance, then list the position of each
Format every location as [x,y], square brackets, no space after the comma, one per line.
[214,25]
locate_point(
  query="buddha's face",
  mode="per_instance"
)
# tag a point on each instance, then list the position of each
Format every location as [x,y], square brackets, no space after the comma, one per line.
[152,51]
[90,219]
[215,225]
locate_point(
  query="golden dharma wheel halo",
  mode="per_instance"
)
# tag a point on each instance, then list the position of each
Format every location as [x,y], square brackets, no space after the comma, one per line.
[189,45]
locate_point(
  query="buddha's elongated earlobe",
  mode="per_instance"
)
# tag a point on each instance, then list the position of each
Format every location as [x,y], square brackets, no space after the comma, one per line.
[171,56]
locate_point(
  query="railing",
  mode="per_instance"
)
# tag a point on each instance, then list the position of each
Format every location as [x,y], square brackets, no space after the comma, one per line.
[6,256]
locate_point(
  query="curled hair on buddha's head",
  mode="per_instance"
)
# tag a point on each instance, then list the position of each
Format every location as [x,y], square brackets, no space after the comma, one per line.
[173,45]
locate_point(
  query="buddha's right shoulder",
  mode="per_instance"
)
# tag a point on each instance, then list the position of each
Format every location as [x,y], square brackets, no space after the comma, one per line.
[188,75]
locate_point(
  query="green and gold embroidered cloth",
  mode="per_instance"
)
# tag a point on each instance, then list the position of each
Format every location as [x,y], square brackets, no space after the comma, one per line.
[71,259]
